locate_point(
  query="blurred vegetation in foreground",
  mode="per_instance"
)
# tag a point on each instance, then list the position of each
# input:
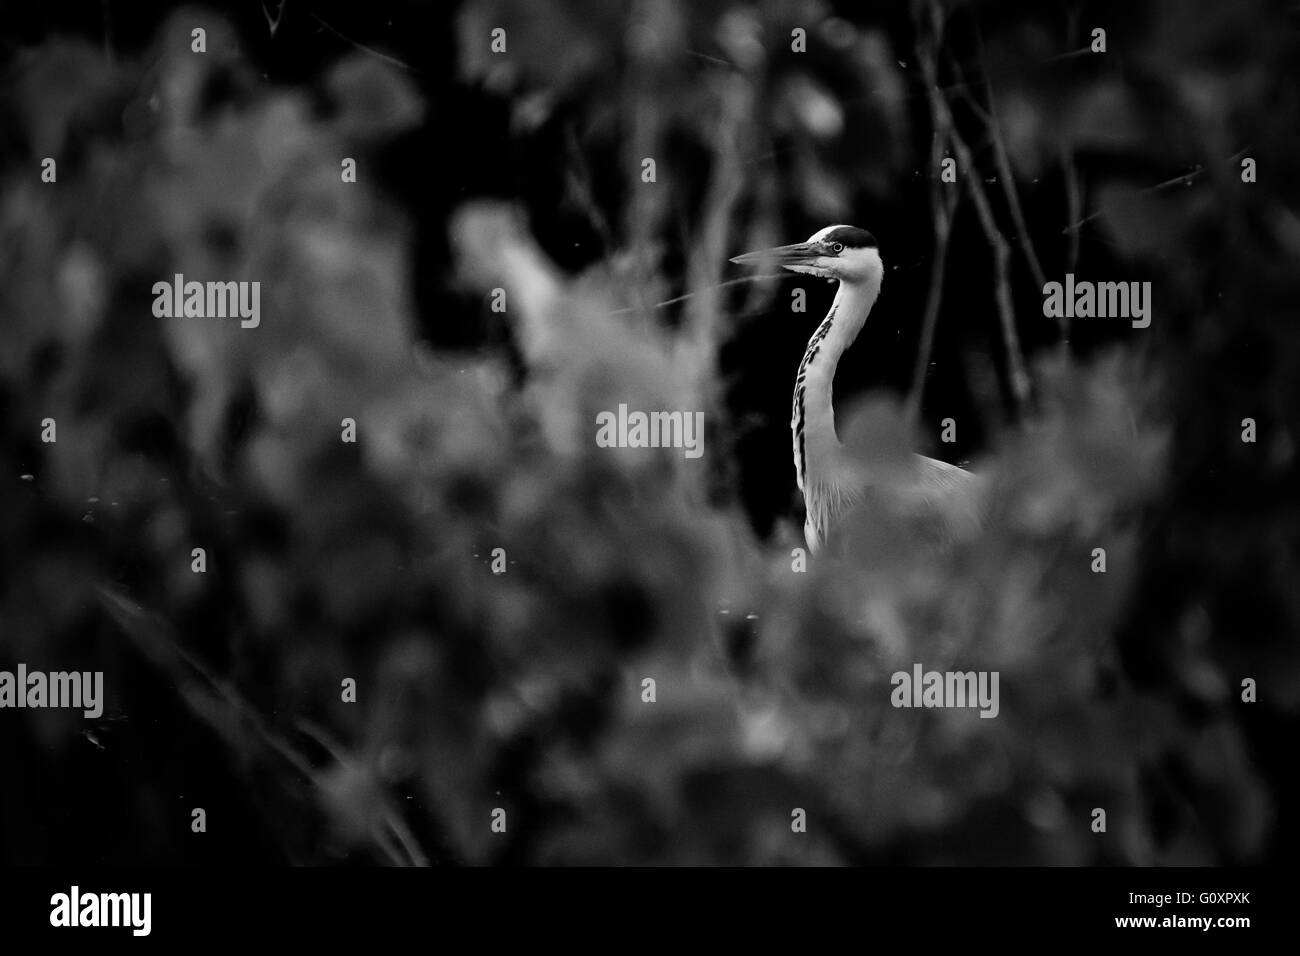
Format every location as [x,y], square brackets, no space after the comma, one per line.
[522,690]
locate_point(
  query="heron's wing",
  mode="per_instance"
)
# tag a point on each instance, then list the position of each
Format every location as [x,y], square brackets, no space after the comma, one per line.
[940,478]
[954,492]
[937,502]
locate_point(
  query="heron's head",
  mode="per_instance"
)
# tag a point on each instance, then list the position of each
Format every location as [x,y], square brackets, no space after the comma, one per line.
[846,253]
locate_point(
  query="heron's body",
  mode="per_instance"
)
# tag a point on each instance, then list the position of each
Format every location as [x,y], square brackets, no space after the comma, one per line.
[828,477]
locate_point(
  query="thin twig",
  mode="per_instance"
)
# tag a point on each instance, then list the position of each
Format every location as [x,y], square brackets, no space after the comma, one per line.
[1074,189]
[721,285]
[1182,180]
[106,15]
[704,264]
[1070,55]
[1004,169]
[580,187]
[220,704]
[273,22]
[708,58]
[1017,373]
[1176,181]
[1073,206]
[361,46]
[943,206]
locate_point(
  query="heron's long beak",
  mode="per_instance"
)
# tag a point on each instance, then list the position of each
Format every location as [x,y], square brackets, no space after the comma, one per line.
[797,254]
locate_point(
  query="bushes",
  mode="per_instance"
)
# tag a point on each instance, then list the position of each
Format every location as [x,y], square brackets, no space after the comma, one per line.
[525,690]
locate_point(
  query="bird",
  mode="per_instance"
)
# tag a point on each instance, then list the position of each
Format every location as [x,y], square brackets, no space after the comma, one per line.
[830,476]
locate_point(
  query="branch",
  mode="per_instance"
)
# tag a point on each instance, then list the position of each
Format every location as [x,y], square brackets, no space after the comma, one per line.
[1000,158]
[1074,187]
[220,705]
[579,181]
[1185,179]
[698,343]
[1017,374]
[743,280]
[362,47]
[943,206]
[1073,207]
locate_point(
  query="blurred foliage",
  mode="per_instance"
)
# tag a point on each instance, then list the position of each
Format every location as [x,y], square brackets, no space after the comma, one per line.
[522,690]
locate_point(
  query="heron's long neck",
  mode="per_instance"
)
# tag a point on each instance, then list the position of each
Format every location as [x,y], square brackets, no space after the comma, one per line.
[816,446]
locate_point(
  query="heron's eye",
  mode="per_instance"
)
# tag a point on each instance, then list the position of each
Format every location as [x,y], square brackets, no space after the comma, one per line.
[837,246]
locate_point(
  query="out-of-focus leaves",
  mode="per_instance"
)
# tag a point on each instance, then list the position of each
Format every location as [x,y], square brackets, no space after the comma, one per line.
[514,679]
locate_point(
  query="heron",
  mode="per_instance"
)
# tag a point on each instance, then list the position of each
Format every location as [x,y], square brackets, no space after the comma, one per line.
[829,475]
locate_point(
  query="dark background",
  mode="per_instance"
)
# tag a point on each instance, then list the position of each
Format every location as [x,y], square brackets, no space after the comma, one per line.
[1147,137]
